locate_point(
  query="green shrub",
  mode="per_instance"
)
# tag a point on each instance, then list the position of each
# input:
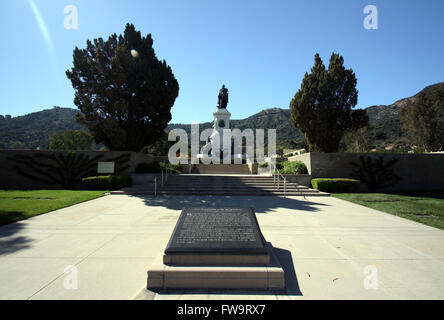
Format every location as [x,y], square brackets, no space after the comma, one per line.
[263,165]
[299,167]
[106,182]
[292,167]
[336,185]
[175,168]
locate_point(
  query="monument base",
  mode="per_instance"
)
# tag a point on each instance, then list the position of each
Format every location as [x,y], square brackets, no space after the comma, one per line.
[216,259]
[265,277]
[217,248]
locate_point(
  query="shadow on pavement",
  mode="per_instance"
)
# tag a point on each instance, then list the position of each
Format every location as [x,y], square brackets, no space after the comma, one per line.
[10,243]
[260,204]
[291,280]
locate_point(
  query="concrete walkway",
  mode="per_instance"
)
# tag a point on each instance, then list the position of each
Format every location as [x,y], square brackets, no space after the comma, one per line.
[325,245]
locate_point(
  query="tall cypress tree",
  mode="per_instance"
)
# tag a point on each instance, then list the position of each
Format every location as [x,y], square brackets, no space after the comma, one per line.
[124,92]
[322,107]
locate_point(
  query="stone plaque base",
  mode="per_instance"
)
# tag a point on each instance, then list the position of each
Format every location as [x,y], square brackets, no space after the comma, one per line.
[217,248]
[216,259]
[266,277]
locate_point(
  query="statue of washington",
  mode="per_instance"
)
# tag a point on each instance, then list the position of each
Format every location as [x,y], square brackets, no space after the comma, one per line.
[222,98]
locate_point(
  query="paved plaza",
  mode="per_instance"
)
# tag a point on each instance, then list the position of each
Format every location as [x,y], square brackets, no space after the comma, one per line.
[326,246]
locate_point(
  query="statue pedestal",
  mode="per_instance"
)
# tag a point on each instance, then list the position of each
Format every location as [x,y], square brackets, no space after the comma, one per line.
[221,122]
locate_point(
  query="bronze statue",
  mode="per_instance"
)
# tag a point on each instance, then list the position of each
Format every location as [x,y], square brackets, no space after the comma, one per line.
[223,98]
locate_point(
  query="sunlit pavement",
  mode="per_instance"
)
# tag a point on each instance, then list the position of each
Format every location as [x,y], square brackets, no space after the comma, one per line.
[329,248]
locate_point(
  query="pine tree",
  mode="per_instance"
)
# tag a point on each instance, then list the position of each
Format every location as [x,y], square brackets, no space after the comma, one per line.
[322,108]
[360,140]
[124,92]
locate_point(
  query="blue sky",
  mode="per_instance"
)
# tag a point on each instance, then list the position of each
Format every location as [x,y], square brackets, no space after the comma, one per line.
[259,49]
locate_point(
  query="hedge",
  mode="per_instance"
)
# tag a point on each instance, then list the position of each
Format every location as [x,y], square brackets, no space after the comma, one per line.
[336,185]
[106,182]
[292,167]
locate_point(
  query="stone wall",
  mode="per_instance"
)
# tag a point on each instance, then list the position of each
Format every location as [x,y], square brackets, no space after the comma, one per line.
[418,171]
[302,179]
[11,178]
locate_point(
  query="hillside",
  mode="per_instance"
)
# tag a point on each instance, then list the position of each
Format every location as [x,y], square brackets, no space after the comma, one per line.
[35,129]
[273,118]
[386,123]
[383,119]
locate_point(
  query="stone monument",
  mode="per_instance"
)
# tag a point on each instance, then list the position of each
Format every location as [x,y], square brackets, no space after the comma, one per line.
[220,248]
[224,236]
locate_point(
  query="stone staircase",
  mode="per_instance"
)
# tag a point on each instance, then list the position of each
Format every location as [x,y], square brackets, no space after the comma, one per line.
[220,185]
[220,169]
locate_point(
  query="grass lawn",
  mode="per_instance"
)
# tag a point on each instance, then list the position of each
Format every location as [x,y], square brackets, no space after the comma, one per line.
[17,205]
[424,207]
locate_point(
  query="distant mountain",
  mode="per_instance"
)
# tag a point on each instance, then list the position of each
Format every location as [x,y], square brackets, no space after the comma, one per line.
[273,118]
[35,129]
[385,121]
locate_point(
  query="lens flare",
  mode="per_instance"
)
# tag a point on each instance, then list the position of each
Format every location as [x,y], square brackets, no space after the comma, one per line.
[46,35]
[134,53]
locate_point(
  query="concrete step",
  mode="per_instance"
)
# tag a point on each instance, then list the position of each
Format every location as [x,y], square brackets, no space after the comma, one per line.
[209,182]
[230,184]
[241,193]
[239,189]
[218,179]
[221,168]
[140,193]
[221,185]
[256,192]
[270,276]
[243,178]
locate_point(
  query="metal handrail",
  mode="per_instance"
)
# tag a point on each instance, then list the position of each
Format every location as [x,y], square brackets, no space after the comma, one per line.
[155,186]
[279,175]
[163,173]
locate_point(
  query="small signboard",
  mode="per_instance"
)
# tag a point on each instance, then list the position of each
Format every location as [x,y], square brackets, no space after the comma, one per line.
[105,167]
